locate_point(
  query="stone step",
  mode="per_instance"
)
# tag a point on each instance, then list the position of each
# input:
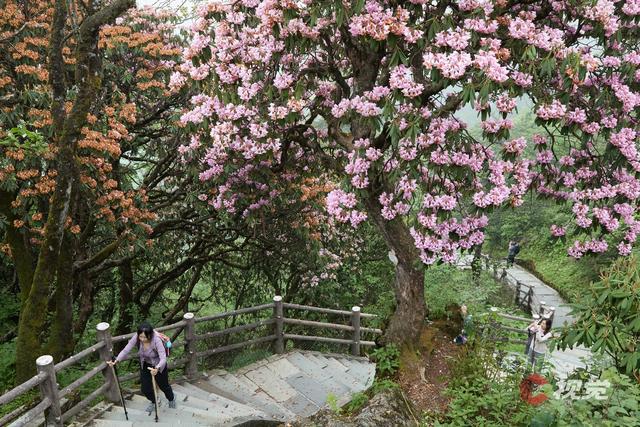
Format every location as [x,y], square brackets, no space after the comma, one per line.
[279,389]
[337,368]
[310,388]
[313,370]
[195,396]
[186,412]
[137,415]
[116,423]
[271,384]
[241,390]
[363,372]
[270,381]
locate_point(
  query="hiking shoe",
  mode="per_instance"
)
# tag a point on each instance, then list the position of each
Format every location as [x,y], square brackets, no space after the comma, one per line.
[172,403]
[152,407]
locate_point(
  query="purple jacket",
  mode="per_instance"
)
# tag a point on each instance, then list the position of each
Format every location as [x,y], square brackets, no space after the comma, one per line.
[155,355]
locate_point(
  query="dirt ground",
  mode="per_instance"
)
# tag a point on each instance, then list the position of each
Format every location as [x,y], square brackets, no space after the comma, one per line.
[425,369]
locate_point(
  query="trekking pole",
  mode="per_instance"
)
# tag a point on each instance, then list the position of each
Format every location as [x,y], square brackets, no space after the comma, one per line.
[155,393]
[115,374]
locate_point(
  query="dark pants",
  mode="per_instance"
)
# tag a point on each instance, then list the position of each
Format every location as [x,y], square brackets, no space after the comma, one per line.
[162,379]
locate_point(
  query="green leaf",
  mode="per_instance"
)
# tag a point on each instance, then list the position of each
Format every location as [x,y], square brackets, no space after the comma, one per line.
[359,5]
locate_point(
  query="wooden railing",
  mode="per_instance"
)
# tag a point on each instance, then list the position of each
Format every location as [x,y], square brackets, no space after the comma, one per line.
[494,327]
[52,397]
[524,295]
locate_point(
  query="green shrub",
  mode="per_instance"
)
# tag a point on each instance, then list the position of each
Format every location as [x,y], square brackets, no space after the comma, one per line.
[380,385]
[387,359]
[447,285]
[481,393]
[332,403]
[608,317]
[358,400]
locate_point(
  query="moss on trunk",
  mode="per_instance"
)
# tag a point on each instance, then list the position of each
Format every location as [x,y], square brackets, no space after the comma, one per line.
[61,341]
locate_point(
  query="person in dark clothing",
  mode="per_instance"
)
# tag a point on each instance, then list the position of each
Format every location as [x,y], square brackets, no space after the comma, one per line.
[153,361]
[514,249]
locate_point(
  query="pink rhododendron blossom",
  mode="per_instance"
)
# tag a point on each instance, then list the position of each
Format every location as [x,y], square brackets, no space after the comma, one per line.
[555,110]
[402,78]
[515,146]
[294,103]
[557,231]
[457,39]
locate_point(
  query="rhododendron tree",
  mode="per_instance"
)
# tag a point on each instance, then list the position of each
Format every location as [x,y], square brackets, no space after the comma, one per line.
[78,81]
[367,92]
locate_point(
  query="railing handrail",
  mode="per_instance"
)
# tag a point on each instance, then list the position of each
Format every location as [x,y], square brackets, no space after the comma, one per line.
[186,325]
[125,337]
[521,289]
[21,389]
[72,360]
[234,312]
[325,310]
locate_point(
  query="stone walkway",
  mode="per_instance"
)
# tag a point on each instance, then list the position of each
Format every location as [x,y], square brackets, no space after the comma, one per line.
[563,361]
[274,391]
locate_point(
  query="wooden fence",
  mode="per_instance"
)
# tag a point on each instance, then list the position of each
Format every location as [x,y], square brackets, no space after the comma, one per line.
[494,327]
[183,334]
[524,294]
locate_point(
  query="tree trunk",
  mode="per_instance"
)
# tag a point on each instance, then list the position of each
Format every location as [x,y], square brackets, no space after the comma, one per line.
[411,310]
[126,304]
[20,250]
[66,133]
[86,304]
[476,263]
[33,313]
[61,341]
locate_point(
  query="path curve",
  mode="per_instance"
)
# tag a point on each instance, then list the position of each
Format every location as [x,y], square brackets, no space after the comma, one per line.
[563,361]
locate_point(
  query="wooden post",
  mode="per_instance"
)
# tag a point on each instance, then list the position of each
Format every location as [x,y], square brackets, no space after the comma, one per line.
[355,322]
[278,315]
[49,388]
[517,291]
[103,333]
[530,299]
[191,367]
[541,309]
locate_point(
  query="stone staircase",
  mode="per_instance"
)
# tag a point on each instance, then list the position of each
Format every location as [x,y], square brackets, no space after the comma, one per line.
[281,388]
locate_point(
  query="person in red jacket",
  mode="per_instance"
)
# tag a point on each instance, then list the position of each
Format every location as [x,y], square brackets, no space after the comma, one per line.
[153,361]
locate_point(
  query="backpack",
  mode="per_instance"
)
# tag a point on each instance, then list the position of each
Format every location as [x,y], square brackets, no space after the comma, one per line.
[165,340]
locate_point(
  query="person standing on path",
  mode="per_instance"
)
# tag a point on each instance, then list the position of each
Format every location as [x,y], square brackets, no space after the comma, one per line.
[153,361]
[514,249]
[538,347]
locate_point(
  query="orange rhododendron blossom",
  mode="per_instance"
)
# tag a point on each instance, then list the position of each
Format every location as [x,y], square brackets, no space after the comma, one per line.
[139,46]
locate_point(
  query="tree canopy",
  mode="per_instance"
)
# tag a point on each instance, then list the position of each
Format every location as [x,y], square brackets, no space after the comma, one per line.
[365,93]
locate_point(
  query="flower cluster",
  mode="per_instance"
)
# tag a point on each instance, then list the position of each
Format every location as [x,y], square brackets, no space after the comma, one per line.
[378,23]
